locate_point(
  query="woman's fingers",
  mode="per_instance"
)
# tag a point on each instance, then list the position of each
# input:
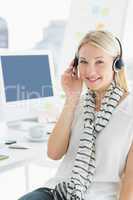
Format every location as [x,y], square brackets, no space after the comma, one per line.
[71,63]
[70,68]
[71,71]
[75,72]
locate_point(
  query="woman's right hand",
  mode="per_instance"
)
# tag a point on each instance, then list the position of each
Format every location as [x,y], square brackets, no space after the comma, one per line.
[71,83]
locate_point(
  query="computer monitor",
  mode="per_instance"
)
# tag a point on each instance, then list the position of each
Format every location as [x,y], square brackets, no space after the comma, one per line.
[27,82]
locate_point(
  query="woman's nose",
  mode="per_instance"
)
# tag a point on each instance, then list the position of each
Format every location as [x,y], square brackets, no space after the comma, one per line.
[90,69]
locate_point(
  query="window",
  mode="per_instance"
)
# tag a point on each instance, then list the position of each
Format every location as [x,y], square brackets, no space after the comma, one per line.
[128,32]
[38,24]
[3,33]
[128,41]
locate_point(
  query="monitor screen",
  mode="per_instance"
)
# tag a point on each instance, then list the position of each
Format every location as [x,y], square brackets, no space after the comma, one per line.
[27,84]
[26,77]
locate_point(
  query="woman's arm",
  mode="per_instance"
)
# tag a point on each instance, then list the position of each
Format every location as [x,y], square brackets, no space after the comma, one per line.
[59,138]
[127,183]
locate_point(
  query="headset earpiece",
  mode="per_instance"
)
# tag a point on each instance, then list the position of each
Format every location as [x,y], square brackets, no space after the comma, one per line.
[118,64]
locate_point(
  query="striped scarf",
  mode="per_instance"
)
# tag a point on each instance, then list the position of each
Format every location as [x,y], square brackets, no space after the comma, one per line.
[85,160]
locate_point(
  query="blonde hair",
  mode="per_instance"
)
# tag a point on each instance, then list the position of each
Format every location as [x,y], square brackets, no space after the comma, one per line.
[109,43]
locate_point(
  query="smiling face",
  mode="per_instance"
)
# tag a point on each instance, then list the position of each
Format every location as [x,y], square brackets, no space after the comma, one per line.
[95,67]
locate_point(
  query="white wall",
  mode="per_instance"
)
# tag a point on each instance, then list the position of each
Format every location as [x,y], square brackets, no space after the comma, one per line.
[88,15]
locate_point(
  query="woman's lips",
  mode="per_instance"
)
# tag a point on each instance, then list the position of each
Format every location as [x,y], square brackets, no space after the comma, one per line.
[94,80]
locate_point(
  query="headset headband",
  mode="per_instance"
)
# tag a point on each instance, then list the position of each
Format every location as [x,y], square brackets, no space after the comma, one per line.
[119,46]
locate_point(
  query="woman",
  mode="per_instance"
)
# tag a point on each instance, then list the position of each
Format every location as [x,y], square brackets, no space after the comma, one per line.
[94,131]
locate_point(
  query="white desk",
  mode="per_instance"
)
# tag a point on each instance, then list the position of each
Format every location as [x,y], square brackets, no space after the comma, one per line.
[22,157]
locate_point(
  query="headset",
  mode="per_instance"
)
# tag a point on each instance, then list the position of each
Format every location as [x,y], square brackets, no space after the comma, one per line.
[75,61]
[118,63]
